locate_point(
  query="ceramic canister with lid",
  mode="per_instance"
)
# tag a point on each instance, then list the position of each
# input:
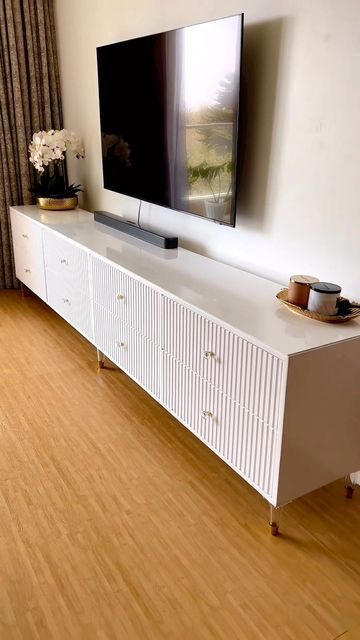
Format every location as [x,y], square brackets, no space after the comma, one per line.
[299,289]
[324,297]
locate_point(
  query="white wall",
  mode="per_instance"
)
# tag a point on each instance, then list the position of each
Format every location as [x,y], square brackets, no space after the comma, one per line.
[300,196]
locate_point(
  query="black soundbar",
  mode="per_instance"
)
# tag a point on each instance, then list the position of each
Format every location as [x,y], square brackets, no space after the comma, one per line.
[165,242]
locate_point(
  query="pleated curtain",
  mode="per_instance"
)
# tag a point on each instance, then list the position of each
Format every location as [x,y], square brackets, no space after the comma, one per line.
[29,101]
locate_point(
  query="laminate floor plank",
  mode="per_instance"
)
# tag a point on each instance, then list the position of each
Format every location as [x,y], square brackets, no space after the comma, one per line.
[117,523]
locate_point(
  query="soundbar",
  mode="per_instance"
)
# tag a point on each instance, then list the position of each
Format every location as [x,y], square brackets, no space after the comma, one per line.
[164,242]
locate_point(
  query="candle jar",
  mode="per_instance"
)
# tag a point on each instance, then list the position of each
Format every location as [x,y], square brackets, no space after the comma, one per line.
[324,298]
[299,289]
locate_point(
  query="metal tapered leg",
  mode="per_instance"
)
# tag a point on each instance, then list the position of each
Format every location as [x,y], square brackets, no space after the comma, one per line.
[274,523]
[100,359]
[349,487]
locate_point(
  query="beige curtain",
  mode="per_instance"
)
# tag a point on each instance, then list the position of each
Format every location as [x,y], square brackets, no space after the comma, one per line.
[29,101]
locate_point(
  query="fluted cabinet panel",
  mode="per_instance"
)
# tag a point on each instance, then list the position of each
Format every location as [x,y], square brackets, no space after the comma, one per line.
[243,440]
[110,288]
[127,298]
[248,374]
[144,312]
[111,336]
[67,278]
[65,258]
[71,298]
[144,362]
[127,348]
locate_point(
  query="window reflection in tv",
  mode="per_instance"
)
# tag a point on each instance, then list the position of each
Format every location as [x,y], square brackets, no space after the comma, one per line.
[169,111]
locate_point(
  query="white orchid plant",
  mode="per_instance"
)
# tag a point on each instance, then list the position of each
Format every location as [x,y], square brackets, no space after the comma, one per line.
[47,153]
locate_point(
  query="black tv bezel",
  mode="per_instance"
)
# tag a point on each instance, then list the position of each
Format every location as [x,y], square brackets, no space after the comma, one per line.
[232,222]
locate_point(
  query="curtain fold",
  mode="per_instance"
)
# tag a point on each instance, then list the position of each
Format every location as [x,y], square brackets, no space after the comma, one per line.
[29,101]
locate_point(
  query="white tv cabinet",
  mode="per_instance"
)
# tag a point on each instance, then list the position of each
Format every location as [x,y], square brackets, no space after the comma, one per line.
[276,396]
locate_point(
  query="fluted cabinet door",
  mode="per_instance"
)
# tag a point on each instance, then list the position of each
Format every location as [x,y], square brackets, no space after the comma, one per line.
[65,258]
[242,439]
[67,277]
[248,374]
[111,336]
[127,298]
[70,299]
[144,313]
[144,362]
[127,348]
[110,288]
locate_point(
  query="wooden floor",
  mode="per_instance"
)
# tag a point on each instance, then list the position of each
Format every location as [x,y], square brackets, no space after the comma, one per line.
[117,523]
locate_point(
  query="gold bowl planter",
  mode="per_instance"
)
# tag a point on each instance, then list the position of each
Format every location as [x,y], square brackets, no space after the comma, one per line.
[58,204]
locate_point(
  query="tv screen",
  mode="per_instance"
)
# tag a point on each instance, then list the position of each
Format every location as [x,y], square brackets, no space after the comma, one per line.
[169,112]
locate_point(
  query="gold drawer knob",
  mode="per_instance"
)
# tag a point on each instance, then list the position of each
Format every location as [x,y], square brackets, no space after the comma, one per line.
[206,414]
[25,235]
[63,261]
[208,354]
[121,344]
[27,270]
[120,296]
[66,301]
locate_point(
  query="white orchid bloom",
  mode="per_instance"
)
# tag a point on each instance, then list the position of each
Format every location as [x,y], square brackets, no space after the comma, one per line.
[48,146]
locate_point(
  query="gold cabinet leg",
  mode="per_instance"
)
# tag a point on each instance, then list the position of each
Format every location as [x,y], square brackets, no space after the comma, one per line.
[275,513]
[349,487]
[100,359]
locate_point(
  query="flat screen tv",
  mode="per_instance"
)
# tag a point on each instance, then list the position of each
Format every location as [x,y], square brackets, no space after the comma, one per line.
[169,111]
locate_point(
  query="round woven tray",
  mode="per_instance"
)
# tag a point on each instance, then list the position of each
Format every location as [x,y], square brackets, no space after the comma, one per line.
[353,312]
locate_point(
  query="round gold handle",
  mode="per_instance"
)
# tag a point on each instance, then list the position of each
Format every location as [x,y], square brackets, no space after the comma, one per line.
[25,235]
[63,261]
[120,296]
[27,270]
[208,354]
[206,414]
[121,344]
[66,301]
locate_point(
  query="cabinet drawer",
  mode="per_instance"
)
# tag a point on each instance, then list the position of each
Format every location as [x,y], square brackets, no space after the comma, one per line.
[239,437]
[136,355]
[70,300]
[144,360]
[28,253]
[66,259]
[68,286]
[248,374]
[32,275]
[26,237]
[111,336]
[126,298]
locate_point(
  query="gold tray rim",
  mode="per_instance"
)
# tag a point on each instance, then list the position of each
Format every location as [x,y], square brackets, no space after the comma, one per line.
[282,297]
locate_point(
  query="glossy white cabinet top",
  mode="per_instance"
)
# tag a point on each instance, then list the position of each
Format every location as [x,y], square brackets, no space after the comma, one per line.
[243,301]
